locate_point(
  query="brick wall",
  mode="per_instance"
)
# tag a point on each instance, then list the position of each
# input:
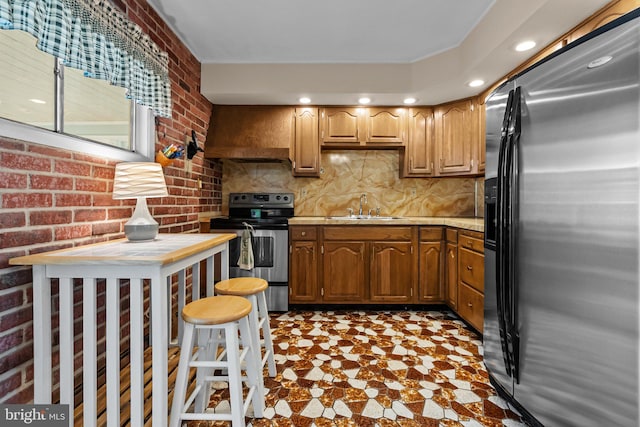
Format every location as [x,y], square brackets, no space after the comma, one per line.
[52,198]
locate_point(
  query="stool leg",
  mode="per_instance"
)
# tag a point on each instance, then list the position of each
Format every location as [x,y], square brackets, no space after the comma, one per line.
[266,332]
[180,388]
[254,369]
[205,344]
[235,377]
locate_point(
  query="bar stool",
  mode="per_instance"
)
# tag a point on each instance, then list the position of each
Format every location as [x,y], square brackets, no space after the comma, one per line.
[211,316]
[253,288]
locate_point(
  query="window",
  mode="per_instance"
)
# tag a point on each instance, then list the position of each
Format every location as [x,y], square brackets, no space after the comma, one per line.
[92,116]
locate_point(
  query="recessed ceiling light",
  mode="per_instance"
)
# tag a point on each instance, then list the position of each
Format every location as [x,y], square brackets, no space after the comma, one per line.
[526,45]
[476,83]
[409,101]
[37,101]
[364,100]
[305,100]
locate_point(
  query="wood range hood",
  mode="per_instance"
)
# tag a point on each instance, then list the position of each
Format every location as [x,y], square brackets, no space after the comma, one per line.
[251,133]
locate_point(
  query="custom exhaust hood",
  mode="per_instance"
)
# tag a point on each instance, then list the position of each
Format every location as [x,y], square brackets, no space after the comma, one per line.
[250,133]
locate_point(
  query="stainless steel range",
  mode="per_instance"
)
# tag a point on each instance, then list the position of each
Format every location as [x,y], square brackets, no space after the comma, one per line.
[266,215]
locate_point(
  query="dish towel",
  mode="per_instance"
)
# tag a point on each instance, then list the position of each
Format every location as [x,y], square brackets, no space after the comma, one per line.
[245,261]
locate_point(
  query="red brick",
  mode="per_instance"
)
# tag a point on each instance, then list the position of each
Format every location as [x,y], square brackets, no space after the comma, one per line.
[24,238]
[26,200]
[73,199]
[72,168]
[11,340]
[11,383]
[120,213]
[48,182]
[22,161]
[12,300]
[103,172]
[50,217]
[13,319]
[106,228]
[12,144]
[72,232]
[12,219]
[13,180]
[105,200]
[91,185]
[83,215]
[49,151]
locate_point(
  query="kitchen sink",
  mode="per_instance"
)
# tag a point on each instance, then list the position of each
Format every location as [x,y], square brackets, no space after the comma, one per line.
[366,217]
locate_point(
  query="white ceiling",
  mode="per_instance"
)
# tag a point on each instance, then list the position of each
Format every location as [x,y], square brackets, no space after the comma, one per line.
[334,51]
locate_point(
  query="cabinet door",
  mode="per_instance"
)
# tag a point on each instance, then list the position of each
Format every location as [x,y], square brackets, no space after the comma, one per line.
[306,145]
[391,272]
[431,271]
[451,275]
[303,273]
[340,126]
[482,137]
[455,136]
[344,271]
[386,126]
[418,156]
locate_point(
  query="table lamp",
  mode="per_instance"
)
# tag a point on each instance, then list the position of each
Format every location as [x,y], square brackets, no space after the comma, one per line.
[139,180]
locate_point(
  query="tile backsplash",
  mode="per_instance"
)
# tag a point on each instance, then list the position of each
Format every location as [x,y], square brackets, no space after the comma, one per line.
[346,175]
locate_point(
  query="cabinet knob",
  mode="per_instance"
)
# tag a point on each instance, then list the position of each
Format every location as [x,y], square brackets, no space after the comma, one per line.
[304,233]
[469,243]
[469,305]
[469,268]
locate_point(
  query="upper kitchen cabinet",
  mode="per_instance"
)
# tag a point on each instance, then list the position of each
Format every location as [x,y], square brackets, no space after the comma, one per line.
[456,138]
[385,126]
[417,159]
[340,126]
[482,129]
[605,16]
[359,127]
[250,132]
[306,148]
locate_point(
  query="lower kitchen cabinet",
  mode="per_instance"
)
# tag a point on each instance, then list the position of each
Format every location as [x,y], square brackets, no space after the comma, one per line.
[431,264]
[372,264]
[451,268]
[369,264]
[344,272]
[303,265]
[391,272]
[471,278]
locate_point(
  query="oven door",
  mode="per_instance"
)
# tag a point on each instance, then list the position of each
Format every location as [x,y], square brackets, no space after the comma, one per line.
[270,259]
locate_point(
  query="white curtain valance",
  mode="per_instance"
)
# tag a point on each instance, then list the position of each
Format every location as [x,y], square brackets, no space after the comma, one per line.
[91,35]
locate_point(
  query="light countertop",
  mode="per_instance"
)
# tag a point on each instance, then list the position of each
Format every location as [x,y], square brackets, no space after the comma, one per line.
[473,224]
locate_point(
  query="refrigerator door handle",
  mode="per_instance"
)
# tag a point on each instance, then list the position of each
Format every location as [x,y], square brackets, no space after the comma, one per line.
[511,272]
[501,233]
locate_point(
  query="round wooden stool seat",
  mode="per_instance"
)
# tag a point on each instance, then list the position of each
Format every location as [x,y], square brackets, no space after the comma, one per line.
[216,310]
[241,286]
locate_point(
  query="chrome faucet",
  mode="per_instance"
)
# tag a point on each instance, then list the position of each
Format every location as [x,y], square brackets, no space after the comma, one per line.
[363,196]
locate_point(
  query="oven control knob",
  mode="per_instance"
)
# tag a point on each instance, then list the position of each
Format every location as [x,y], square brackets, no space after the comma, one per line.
[244,197]
[278,197]
[286,198]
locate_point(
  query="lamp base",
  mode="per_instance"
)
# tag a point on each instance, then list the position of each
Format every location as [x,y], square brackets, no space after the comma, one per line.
[141,226]
[141,232]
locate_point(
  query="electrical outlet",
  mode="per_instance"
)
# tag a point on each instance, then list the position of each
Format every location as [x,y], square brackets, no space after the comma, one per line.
[413,191]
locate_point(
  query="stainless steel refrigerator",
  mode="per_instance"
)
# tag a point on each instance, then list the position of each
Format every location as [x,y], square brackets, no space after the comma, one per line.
[562,232]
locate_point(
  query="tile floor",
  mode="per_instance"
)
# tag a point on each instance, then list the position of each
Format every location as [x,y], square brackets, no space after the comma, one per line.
[369,368]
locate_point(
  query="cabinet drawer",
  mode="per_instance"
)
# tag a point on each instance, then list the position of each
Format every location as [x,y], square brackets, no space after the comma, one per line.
[472,241]
[303,233]
[364,232]
[471,268]
[452,235]
[471,306]
[431,234]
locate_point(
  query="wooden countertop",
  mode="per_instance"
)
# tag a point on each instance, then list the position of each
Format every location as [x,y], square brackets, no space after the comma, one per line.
[474,224]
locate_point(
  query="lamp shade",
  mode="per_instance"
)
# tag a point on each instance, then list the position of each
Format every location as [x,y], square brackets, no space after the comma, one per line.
[139,179]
